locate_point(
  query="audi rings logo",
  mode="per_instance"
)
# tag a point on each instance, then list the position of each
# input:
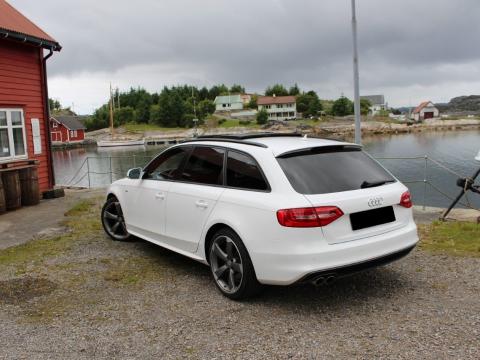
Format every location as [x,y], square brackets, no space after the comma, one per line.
[375,202]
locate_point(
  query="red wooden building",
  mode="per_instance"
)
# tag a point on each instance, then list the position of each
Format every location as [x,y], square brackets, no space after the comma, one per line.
[24,117]
[67,130]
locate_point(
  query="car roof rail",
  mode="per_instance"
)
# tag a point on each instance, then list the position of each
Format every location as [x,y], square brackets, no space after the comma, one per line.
[222,139]
[247,136]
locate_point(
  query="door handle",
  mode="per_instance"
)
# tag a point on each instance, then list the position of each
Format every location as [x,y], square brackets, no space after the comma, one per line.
[201,204]
[160,196]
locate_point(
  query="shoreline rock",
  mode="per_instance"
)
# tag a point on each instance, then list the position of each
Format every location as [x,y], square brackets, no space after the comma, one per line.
[335,129]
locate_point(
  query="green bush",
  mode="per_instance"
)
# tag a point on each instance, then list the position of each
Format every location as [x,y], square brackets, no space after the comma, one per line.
[262,117]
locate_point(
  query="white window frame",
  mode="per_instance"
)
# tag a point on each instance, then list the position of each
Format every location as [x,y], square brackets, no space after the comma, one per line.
[10,127]
[54,124]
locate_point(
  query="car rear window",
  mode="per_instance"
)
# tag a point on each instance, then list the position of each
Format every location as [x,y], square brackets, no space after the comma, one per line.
[332,169]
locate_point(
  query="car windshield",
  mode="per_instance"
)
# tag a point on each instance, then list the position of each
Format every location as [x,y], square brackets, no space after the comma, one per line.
[332,169]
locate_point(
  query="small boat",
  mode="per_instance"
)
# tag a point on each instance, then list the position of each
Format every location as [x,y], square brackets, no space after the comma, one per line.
[114,142]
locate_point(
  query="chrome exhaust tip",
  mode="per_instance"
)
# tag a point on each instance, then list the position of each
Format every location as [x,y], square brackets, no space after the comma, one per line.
[330,280]
[319,281]
[324,280]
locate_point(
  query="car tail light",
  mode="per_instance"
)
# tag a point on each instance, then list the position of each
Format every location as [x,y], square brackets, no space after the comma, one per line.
[406,200]
[308,217]
[328,214]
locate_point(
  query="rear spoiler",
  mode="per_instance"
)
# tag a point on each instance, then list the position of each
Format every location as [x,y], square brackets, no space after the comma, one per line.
[320,150]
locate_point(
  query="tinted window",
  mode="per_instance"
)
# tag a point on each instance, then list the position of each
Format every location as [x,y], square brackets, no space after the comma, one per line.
[168,165]
[205,166]
[243,172]
[321,171]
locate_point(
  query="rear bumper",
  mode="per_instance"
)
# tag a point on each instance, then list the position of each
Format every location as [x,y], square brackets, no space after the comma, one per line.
[287,266]
[354,268]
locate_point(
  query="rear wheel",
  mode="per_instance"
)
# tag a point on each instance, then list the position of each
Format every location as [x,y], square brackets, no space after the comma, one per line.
[113,220]
[231,267]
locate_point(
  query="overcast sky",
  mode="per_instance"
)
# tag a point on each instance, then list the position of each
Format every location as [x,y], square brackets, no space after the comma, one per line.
[410,50]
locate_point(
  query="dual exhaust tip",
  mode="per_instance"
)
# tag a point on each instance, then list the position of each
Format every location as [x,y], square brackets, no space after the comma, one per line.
[324,280]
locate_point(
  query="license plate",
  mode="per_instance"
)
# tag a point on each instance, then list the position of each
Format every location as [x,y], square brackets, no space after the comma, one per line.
[369,218]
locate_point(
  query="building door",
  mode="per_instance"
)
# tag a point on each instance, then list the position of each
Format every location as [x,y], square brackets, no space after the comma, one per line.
[428,115]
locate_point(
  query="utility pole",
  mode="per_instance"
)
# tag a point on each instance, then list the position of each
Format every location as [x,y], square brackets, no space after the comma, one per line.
[356,86]
[111,112]
[195,119]
[118,98]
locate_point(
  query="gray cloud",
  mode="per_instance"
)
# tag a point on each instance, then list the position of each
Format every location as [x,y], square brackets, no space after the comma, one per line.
[405,46]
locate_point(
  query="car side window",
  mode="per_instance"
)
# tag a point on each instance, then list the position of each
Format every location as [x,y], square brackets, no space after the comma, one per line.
[168,165]
[205,166]
[243,172]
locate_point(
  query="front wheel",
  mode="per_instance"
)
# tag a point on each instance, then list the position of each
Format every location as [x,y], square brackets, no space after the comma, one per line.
[113,220]
[231,267]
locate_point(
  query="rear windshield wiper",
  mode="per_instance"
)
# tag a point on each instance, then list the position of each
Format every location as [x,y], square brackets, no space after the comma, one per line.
[369,184]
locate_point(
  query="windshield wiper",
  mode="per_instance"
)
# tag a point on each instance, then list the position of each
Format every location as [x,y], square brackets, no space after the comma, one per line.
[369,184]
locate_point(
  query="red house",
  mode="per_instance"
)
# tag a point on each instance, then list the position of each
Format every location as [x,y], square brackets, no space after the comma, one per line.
[66,130]
[24,113]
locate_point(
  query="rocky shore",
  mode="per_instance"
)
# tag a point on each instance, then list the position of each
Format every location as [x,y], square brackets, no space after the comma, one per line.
[337,128]
[392,128]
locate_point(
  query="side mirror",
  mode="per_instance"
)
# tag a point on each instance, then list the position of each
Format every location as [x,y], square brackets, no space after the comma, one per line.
[134,173]
[478,156]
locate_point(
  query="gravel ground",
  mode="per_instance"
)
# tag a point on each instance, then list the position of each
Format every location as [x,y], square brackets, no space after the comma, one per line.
[95,298]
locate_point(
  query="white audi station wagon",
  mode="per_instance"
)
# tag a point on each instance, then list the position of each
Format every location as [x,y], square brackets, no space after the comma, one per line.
[266,209]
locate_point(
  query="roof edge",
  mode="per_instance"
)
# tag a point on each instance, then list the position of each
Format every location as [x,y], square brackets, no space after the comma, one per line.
[54,117]
[24,38]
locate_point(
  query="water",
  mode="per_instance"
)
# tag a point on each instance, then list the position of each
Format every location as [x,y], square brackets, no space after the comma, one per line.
[456,150]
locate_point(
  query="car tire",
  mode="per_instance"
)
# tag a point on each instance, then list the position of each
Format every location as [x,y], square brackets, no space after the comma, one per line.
[231,267]
[113,221]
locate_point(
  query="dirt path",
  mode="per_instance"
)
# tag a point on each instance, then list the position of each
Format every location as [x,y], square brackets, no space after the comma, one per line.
[20,226]
[80,295]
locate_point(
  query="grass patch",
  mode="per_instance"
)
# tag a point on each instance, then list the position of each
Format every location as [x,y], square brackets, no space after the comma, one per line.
[310,122]
[453,238]
[134,270]
[83,206]
[231,123]
[137,128]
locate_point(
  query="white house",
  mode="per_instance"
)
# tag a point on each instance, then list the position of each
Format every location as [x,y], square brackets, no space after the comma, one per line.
[426,110]
[377,103]
[228,102]
[278,107]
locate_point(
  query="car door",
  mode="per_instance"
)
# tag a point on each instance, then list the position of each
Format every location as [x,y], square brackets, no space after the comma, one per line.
[150,197]
[191,200]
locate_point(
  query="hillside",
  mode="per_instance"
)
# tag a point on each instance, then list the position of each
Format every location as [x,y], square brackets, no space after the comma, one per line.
[462,104]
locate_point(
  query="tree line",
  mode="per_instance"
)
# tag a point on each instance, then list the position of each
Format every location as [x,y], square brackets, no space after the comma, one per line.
[177,106]
[172,107]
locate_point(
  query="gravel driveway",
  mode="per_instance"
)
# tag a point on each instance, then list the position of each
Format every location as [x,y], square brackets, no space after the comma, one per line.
[84,296]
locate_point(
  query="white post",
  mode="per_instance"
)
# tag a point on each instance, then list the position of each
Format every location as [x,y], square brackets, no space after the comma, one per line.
[356,86]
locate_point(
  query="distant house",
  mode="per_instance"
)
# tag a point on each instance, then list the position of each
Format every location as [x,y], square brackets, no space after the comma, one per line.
[377,104]
[24,140]
[278,107]
[228,102]
[67,129]
[426,110]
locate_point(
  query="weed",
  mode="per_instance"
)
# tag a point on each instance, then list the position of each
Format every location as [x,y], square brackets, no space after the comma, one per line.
[454,238]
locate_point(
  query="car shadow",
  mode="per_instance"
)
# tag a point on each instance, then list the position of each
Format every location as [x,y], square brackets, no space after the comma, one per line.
[384,282]
[355,290]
